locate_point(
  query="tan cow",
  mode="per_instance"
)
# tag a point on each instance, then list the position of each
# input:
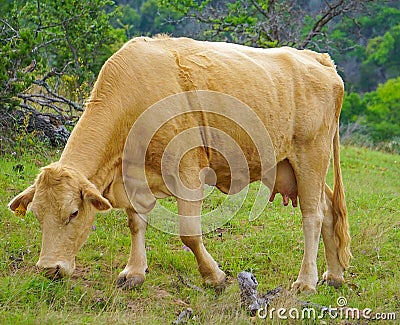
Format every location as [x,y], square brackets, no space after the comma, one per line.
[296,94]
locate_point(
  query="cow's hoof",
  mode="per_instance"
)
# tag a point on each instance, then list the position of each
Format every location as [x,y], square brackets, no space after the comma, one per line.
[302,286]
[217,280]
[332,279]
[129,283]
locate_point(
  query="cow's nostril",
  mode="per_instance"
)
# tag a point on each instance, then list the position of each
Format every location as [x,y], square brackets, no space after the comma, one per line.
[53,273]
[55,269]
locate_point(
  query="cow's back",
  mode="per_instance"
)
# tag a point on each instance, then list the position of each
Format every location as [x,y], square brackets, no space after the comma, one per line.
[294,92]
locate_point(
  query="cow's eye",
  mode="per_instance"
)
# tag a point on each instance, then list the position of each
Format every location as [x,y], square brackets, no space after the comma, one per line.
[73,215]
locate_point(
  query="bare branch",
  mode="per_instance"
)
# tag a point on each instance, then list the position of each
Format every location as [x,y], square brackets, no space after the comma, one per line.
[57,96]
[15,33]
[266,14]
[190,285]
[38,99]
[71,47]
[9,26]
[61,23]
[331,11]
[37,47]
[326,17]
[40,18]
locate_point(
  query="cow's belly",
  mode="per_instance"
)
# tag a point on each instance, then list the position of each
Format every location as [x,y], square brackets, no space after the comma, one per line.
[231,180]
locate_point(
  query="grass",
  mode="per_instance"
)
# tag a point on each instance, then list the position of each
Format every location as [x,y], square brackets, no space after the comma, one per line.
[270,247]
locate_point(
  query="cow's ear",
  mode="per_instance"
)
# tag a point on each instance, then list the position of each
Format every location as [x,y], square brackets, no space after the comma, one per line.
[22,200]
[94,197]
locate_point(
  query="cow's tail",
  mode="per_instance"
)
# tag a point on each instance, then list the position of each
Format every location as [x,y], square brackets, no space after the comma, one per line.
[340,221]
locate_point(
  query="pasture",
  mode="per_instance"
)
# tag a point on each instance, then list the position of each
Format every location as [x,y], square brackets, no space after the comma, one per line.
[270,247]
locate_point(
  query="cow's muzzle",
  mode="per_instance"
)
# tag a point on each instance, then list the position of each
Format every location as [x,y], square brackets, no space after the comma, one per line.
[56,270]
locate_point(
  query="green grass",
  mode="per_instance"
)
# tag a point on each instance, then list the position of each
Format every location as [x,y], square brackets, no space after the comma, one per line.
[270,247]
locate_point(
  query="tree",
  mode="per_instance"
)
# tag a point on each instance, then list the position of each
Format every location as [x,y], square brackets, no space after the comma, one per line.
[146,18]
[50,54]
[383,59]
[383,111]
[266,23]
[354,41]
[353,108]
[128,21]
[376,114]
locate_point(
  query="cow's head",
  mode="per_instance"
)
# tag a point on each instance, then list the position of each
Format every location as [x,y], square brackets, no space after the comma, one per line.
[64,202]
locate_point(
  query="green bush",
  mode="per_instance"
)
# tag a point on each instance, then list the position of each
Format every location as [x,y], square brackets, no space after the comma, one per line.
[379,114]
[383,111]
[42,41]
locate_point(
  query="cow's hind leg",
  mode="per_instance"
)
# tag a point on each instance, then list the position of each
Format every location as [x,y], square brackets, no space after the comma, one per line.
[190,231]
[334,272]
[134,273]
[308,275]
[310,170]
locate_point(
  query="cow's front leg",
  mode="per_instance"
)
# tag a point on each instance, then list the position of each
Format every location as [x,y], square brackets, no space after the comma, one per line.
[190,231]
[134,273]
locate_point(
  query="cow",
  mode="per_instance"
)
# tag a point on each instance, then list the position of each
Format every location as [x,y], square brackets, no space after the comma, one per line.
[296,94]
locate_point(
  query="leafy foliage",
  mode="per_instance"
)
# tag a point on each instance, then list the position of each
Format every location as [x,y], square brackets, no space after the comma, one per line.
[383,113]
[378,111]
[266,23]
[51,52]
[365,45]
[383,56]
[353,108]
[146,18]
[54,45]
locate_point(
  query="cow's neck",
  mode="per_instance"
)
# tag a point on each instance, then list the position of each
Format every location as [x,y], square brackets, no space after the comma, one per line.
[95,147]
